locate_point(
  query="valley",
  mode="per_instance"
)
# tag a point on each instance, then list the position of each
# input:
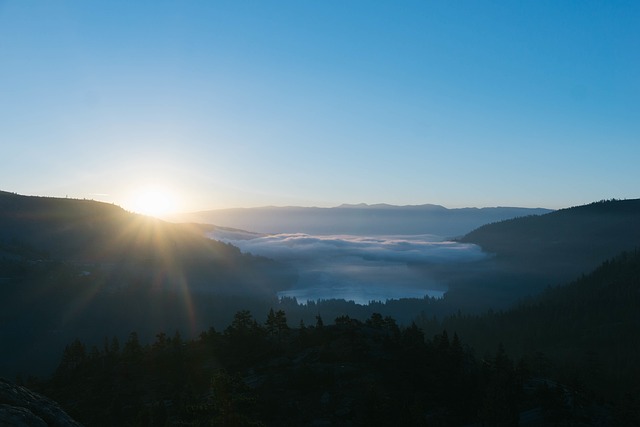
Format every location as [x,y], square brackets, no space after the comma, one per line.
[91,273]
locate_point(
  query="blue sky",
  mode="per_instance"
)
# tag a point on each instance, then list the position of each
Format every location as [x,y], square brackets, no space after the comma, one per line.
[238,104]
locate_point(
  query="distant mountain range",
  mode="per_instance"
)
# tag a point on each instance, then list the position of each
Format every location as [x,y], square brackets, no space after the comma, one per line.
[360,219]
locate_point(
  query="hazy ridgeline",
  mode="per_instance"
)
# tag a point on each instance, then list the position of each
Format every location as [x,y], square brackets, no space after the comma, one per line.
[360,220]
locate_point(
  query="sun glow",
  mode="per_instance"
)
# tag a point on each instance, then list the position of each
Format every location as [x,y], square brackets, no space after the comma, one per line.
[153,202]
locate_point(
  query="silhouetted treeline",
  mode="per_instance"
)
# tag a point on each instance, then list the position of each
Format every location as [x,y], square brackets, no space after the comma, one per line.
[371,373]
[45,304]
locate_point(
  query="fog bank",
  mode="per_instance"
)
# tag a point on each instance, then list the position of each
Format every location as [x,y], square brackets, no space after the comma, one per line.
[358,268]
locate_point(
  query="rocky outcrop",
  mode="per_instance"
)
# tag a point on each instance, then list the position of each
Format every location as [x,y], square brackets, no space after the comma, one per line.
[20,407]
[15,416]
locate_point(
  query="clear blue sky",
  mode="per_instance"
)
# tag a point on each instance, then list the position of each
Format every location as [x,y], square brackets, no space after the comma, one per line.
[225,104]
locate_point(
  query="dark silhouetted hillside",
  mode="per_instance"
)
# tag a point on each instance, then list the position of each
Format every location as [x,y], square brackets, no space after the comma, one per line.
[583,333]
[530,253]
[567,242]
[80,268]
[89,232]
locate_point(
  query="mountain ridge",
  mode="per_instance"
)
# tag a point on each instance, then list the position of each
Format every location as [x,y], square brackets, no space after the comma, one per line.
[364,205]
[586,234]
[358,219]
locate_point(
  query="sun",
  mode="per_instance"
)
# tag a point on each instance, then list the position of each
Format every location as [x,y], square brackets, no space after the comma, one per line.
[154,201]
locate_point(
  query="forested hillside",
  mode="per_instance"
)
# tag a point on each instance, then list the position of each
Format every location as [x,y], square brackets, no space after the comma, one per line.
[567,242]
[87,231]
[583,334]
[79,268]
[371,373]
[108,239]
[529,254]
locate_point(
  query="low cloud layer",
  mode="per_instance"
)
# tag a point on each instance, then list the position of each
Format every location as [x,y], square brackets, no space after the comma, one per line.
[358,268]
[403,249]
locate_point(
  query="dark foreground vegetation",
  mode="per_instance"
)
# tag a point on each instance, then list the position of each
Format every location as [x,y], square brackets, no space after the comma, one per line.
[45,304]
[347,373]
[585,332]
[567,357]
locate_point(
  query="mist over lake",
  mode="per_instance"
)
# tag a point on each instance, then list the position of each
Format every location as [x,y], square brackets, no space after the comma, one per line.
[357,268]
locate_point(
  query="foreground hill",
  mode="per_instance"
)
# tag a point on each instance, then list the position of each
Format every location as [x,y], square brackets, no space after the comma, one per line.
[20,407]
[362,219]
[80,268]
[89,233]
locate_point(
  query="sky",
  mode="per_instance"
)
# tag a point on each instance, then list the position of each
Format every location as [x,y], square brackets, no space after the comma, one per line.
[194,105]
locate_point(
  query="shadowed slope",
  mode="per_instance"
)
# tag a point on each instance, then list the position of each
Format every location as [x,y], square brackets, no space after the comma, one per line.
[588,328]
[567,242]
[89,231]
[79,268]
[85,231]
[534,252]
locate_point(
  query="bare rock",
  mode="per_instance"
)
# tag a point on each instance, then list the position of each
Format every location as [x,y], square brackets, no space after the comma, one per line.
[20,407]
[13,416]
